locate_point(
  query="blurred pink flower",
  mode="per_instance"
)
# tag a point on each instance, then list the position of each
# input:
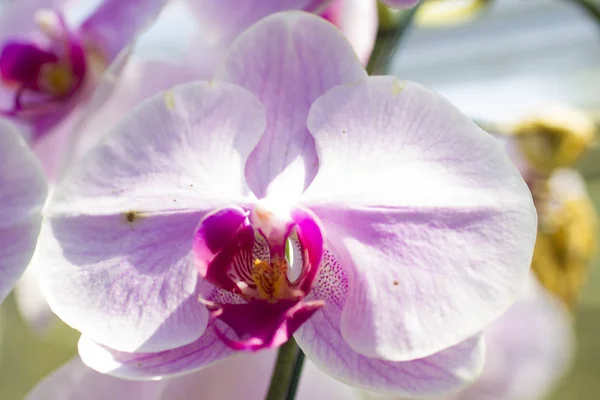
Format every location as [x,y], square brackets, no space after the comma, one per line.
[49,64]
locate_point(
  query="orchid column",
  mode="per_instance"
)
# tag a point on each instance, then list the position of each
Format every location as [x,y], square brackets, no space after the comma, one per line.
[410,229]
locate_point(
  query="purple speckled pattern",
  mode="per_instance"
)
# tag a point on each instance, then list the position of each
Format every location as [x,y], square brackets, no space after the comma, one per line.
[322,341]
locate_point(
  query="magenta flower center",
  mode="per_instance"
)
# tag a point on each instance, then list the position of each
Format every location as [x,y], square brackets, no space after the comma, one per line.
[42,73]
[243,252]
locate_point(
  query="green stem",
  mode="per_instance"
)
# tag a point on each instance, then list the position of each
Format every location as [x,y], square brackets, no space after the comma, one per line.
[387,43]
[286,373]
[296,376]
[591,7]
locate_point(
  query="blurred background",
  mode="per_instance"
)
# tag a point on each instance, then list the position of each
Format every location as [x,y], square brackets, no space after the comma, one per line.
[510,58]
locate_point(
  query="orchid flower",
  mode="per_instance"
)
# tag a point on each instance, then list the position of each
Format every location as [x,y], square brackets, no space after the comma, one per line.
[407,228]
[22,193]
[245,376]
[51,60]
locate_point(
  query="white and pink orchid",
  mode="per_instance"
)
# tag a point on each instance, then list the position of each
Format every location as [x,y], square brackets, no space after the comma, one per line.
[409,231]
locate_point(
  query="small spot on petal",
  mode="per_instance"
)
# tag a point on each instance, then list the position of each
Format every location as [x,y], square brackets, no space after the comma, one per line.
[132,216]
[170,100]
[395,283]
[398,87]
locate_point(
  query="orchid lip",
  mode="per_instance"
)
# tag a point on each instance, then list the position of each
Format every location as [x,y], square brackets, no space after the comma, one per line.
[43,75]
[243,251]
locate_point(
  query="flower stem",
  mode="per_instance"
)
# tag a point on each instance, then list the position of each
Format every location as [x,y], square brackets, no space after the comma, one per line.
[286,374]
[591,7]
[387,42]
[296,375]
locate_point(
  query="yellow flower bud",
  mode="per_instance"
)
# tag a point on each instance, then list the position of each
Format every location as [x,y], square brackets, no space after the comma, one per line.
[554,138]
[566,235]
[449,12]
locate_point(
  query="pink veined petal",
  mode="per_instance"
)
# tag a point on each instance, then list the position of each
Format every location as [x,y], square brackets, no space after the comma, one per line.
[74,381]
[434,226]
[23,192]
[115,23]
[114,253]
[401,3]
[306,56]
[200,353]
[321,339]
[528,349]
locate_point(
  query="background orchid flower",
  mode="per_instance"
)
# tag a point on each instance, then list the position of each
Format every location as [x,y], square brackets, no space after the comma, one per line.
[409,229]
[528,349]
[243,377]
[22,193]
[52,54]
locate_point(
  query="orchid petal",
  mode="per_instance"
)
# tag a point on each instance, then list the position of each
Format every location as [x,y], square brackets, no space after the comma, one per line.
[23,191]
[17,17]
[433,224]
[115,23]
[31,303]
[228,18]
[528,349]
[357,19]
[252,372]
[321,339]
[306,56]
[114,252]
[204,351]
[75,381]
